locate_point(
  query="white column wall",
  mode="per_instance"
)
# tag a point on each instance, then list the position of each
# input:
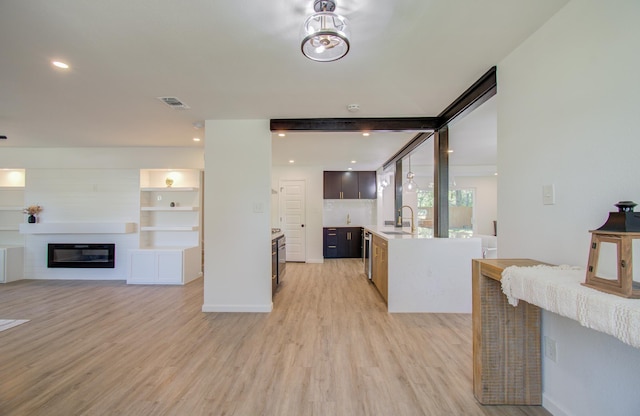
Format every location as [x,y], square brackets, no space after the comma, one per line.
[237,230]
[567,115]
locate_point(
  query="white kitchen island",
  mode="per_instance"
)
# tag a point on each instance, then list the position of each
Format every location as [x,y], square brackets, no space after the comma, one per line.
[427,274]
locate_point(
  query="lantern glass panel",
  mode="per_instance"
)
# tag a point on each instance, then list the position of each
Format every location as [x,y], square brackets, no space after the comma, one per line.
[608,261]
[635,250]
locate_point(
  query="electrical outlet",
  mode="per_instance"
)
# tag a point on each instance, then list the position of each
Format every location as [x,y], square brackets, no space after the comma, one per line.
[550,349]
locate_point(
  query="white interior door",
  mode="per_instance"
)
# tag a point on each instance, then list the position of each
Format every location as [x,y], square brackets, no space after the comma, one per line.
[292,218]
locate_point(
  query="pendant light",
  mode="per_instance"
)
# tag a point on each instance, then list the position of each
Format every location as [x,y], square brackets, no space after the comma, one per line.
[410,186]
[325,35]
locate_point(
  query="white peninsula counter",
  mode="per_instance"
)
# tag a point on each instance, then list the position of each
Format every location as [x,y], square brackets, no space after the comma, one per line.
[425,274]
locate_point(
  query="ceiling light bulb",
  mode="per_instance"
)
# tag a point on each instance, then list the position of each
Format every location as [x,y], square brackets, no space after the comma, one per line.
[366,134]
[196,139]
[281,134]
[60,64]
[291,161]
[353,161]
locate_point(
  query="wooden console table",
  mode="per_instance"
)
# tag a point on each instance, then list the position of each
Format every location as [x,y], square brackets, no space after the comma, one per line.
[506,339]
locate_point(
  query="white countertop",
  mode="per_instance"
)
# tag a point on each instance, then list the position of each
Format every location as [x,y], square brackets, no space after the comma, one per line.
[397,233]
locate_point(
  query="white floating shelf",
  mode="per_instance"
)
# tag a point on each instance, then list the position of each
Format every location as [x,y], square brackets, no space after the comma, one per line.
[167,189]
[169,208]
[78,228]
[170,228]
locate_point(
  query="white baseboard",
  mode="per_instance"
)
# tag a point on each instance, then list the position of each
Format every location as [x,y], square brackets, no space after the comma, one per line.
[238,308]
[552,407]
[320,261]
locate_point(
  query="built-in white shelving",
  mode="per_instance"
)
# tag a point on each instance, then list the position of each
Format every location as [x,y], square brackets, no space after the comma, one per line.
[170,228]
[169,209]
[169,189]
[11,206]
[78,228]
[170,219]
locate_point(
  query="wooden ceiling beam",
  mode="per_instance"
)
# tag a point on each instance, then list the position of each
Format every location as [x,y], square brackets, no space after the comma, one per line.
[384,124]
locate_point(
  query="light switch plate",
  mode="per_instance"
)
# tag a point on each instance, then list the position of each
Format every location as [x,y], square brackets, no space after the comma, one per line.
[548,195]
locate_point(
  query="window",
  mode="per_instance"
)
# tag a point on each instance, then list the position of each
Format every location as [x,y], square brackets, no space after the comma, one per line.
[460,210]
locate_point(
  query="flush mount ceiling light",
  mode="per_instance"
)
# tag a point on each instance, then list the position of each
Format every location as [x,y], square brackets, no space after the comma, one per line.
[325,35]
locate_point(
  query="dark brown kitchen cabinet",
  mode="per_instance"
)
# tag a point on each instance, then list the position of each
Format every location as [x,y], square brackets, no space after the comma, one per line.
[342,242]
[349,185]
[367,187]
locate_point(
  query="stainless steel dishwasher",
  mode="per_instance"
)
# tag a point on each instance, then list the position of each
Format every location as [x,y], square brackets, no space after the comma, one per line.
[282,257]
[366,253]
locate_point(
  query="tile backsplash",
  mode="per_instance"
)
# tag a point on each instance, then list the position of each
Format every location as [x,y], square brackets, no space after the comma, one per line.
[361,212]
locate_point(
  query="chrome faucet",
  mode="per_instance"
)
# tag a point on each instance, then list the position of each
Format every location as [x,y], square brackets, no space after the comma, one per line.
[413,224]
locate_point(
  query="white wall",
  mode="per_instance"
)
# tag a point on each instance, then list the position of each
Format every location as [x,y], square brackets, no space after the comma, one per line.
[102,157]
[567,115]
[81,195]
[237,235]
[88,184]
[485,209]
[359,212]
[313,178]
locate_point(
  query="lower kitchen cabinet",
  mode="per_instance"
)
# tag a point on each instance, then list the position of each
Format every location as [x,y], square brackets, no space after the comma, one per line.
[342,242]
[164,265]
[379,266]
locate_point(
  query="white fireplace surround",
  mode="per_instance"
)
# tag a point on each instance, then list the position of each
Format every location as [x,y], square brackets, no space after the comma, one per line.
[79,228]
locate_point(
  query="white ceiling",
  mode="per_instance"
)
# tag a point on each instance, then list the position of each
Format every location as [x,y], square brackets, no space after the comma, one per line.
[240,60]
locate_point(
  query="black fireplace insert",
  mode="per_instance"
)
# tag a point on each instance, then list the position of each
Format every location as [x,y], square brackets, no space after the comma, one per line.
[81,255]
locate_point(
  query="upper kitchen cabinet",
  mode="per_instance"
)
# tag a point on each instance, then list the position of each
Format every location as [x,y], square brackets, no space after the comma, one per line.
[367,188]
[349,185]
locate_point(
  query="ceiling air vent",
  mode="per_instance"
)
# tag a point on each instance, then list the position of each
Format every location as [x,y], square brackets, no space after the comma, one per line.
[174,102]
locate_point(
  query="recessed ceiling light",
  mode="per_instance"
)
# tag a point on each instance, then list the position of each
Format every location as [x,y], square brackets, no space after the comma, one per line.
[366,134]
[449,151]
[291,161]
[196,139]
[495,174]
[281,134]
[353,161]
[60,64]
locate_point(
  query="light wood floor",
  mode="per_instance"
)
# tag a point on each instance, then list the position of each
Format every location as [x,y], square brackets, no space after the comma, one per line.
[328,348]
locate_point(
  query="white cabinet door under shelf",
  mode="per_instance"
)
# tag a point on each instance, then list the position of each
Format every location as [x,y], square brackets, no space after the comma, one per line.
[11,263]
[156,266]
[159,265]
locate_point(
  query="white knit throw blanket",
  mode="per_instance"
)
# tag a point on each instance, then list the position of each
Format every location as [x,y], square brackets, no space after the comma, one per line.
[558,289]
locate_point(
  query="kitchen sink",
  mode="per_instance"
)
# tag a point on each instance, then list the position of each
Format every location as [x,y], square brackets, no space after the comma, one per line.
[396,233]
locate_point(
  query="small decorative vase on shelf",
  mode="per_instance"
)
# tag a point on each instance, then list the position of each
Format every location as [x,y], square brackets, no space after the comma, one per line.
[32,219]
[169,182]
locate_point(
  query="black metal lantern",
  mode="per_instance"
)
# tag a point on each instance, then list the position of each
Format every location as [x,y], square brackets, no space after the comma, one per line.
[618,233]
